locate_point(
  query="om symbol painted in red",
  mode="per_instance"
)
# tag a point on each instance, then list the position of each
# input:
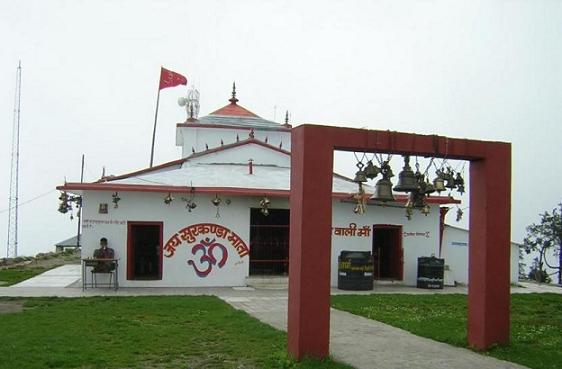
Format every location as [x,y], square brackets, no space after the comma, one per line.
[208,258]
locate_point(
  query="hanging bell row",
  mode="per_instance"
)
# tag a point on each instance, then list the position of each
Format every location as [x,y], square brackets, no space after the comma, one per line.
[448,180]
[414,183]
[370,172]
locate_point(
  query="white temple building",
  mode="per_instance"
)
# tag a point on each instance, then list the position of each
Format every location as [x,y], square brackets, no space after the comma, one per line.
[220,214]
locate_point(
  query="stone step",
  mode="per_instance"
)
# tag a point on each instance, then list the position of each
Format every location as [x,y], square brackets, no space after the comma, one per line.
[268,282]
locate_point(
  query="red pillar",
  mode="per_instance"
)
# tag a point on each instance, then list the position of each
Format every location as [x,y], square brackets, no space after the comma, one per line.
[310,252]
[489,253]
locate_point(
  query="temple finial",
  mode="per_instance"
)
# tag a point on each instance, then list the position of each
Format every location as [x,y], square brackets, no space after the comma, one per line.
[233,99]
[287,125]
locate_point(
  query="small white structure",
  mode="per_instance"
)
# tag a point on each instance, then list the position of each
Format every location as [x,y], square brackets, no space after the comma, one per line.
[454,249]
[221,213]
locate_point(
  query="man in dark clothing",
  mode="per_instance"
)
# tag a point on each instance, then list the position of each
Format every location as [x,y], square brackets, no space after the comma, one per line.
[104,252]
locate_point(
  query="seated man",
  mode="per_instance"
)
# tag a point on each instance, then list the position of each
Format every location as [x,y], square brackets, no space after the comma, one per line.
[104,252]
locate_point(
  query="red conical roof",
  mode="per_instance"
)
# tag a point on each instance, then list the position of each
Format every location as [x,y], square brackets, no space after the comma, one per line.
[234,110]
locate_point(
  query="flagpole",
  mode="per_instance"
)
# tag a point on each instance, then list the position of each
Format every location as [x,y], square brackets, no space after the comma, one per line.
[154,130]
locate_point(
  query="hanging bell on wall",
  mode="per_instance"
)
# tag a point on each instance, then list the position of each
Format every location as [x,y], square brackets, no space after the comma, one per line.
[406,178]
[168,199]
[383,190]
[217,200]
[115,199]
[371,170]
[426,210]
[63,208]
[360,176]
[264,205]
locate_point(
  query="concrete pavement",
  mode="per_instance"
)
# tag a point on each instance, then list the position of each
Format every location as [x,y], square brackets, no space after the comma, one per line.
[368,344]
[62,276]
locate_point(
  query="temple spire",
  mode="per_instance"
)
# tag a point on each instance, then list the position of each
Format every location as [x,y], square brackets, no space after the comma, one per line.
[287,119]
[233,99]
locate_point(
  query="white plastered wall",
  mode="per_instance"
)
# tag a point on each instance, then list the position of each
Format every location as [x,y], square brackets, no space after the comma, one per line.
[420,235]
[197,137]
[455,252]
[138,206]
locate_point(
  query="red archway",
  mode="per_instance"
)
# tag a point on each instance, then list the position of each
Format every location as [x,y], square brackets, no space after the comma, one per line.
[311,217]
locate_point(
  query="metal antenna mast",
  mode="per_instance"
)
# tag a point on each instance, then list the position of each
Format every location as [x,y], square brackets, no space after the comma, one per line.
[12,246]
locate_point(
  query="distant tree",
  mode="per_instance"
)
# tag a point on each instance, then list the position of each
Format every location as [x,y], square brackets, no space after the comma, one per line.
[522,265]
[545,236]
[537,273]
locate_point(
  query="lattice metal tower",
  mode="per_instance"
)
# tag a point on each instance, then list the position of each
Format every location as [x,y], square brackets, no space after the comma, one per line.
[12,245]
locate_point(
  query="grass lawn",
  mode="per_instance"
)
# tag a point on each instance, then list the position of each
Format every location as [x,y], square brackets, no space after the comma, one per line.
[140,332]
[15,275]
[536,322]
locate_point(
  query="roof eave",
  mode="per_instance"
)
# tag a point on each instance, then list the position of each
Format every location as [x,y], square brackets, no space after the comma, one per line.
[233,191]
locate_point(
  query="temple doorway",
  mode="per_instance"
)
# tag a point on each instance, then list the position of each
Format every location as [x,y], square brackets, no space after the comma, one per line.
[388,254]
[269,242]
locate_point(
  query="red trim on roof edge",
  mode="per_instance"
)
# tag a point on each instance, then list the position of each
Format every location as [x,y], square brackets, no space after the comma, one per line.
[223,190]
[141,171]
[237,144]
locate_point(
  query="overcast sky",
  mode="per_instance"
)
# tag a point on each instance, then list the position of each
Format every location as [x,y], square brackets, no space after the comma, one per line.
[477,69]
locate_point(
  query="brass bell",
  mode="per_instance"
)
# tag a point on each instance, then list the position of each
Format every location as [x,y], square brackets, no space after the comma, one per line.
[459,214]
[386,170]
[383,190]
[439,182]
[425,210]
[459,182]
[428,188]
[406,178]
[168,199]
[217,200]
[409,210]
[63,208]
[416,199]
[359,208]
[371,170]
[450,180]
[360,176]
[265,201]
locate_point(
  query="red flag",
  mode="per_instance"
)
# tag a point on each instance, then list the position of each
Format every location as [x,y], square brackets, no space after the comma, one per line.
[171,79]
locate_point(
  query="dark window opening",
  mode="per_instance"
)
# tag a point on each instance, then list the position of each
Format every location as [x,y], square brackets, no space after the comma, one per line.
[269,242]
[144,251]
